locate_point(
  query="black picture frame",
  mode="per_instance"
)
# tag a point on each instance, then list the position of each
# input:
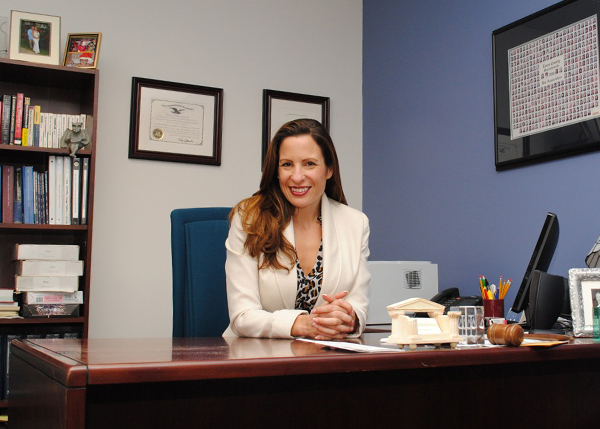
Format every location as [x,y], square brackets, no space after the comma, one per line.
[293,107]
[555,136]
[155,109]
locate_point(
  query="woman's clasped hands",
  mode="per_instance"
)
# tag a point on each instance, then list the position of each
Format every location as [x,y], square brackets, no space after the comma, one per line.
[333,320]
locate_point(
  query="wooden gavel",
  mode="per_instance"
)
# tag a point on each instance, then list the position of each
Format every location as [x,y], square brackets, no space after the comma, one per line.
[510,335]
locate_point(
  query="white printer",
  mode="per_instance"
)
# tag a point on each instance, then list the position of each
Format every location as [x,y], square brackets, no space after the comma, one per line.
[395,281]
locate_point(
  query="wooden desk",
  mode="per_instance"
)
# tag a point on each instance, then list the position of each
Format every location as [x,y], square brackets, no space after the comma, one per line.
[250,383]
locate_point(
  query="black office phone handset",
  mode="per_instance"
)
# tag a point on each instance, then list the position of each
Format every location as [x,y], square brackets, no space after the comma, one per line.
[451,298]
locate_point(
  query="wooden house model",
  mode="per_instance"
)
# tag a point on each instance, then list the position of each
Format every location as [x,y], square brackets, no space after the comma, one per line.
[405,329]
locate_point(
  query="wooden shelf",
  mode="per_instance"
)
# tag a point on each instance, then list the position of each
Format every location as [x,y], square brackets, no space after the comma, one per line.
[44,320]
[56,89]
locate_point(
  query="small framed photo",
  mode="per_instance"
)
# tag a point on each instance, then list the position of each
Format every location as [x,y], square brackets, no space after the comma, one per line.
[175,122]
[280,107]
[34,37]
[584,288]
[82,50]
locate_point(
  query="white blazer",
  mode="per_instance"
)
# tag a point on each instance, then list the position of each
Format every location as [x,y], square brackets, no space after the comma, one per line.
[261,302]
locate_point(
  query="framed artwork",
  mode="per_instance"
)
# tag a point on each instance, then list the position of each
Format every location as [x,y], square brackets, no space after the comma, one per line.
[546,85]
[584,289]
[280,107]
[82,50]
[34,37]
[175,122]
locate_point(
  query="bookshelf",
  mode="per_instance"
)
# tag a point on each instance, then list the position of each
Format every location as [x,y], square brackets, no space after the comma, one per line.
[56,89]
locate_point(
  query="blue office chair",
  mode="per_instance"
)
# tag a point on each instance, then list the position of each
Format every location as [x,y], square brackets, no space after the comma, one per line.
[198,254]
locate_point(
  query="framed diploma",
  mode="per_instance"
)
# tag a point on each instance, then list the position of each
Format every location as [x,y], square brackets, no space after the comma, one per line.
[175,122]
[546,85]
[280,107]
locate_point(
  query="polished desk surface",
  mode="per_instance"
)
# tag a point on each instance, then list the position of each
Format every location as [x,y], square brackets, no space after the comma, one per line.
[225,383]
[76,362]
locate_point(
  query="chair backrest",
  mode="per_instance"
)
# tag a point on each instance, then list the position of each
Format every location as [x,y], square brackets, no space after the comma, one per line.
[198,255]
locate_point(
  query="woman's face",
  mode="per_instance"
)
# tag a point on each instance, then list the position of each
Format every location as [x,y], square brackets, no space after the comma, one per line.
[302,171]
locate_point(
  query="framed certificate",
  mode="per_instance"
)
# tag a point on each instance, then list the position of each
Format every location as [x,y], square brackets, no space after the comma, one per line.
[546,85]
[175,122]
[280,107]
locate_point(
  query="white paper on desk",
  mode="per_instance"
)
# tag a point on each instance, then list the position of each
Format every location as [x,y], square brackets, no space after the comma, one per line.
[361,348]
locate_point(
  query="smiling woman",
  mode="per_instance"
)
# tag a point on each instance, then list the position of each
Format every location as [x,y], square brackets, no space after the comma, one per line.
[303,174]
[296,253]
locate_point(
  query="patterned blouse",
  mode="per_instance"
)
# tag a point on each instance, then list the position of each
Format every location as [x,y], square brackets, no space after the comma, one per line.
[309,285]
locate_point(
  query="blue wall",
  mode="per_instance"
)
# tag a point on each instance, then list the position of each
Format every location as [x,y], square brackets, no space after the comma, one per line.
[431,190]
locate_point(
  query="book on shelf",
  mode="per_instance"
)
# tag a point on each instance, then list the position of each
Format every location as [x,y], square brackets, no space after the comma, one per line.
[76,193]
[31,132]
[9,309]
[67,190]
[6,108]
[33,267]
[85,175]
[60,252]
[7,294]
[28,194]
[46,283]
[9,314]
[57,193]
[8,177]
[25,129]
[52,297]
[13,115]
[20,99]
[24,123]
[36,125]
[51,189]
[9,305]
[55,196]
[18,195]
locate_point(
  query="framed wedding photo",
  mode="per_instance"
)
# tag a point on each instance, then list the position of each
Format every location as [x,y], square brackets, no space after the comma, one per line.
[175,122]
[280,107]
[584,289]
[82,50]
[34,37]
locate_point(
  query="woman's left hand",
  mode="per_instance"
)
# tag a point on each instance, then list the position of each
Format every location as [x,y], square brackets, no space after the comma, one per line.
[335,317]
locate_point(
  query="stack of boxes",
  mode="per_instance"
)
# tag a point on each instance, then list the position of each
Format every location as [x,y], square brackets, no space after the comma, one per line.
[47,277]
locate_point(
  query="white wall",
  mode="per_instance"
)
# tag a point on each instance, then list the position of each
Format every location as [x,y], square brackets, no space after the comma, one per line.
[242,46]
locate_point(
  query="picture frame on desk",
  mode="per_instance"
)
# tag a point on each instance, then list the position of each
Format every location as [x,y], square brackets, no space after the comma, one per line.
[34,37]
[82,50]
[584,283]
[546,82]
[175,122]
[280,107]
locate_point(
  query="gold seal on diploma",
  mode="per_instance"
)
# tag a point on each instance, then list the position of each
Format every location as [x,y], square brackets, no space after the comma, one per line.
[157,133]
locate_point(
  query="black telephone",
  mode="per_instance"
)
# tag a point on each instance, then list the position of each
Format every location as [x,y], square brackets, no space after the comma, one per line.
[451,298]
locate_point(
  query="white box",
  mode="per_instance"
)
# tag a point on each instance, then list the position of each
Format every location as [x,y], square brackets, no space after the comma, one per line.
[395,281]
[65,252]
[31,267]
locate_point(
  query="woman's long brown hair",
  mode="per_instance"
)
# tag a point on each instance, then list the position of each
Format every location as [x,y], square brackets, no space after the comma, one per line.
[267,213]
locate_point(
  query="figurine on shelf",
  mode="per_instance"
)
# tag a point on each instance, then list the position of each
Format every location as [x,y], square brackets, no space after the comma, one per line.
[74,138]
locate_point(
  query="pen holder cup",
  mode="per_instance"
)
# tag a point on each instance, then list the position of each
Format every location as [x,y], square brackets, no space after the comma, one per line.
[493,308]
